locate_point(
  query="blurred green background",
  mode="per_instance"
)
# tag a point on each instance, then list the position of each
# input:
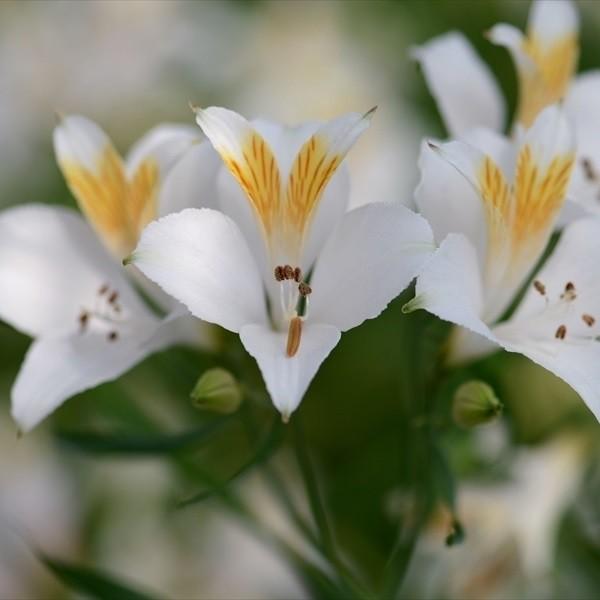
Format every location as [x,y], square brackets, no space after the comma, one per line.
[385,450]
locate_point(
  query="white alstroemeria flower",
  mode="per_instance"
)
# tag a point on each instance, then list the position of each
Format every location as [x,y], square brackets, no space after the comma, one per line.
[546,61]
[498,236]
[250,273]
[60,286]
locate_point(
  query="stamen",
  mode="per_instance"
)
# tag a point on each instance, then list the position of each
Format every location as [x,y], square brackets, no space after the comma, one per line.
[113,297]
[540,287]
[304,289]
[569,293]
[588,319]
[588,169]
[294,335]
[288,272]
[561,332]
[279,275]
[84,317]
[298,275]
[112,336]
[103,289]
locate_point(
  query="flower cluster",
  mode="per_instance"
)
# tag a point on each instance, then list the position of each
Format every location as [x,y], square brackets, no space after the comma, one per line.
[244,224]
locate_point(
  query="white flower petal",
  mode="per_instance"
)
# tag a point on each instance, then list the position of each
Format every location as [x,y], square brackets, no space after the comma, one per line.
[51,267]
[200,257]
[288,378]
[552,20]
[581,106]
[192,182]
[331,210]
[551,135]
[449,202]
[370,258]
[80,141]
[164,144]
[513,40]
[534,328]
[55,369]
[450,287]
[464,89]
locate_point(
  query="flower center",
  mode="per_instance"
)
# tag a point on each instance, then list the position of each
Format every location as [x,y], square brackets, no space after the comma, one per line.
[576,325]
[106,315]
[294,295]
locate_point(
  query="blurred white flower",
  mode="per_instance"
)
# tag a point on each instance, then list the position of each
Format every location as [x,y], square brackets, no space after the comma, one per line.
[245,268]
[63,289]
[546,61]
[495,239]
[511,527]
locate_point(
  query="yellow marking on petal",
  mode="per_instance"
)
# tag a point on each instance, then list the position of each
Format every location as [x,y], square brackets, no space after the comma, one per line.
[118,209]
[522,216]
[539,195]
[143,195]
[548,82]
[310,173]
[258,175]
[496,195]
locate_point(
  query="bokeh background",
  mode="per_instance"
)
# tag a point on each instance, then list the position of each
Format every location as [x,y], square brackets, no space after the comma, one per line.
[527,485]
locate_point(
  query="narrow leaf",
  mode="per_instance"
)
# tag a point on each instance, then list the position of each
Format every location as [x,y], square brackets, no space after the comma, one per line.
[92,583]
[92,442]
[263,452]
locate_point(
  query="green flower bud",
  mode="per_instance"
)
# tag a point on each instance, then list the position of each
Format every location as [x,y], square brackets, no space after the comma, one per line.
[217,391]
[475,403]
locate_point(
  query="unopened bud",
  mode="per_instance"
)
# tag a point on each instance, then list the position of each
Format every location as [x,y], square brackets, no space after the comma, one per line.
[217,391]
[475,403]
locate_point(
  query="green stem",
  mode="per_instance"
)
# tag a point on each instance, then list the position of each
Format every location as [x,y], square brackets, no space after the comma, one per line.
[350,586]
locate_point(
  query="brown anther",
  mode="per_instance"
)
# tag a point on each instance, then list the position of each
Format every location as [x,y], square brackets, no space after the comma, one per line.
[279,275]
[588,320]
[103,289]
[297,275]
[288,272]
[294,335]
[569,293]
[112,336]
[561,332]
[113,297]
[84,317]
[540,287]
[588,169]
[304,289]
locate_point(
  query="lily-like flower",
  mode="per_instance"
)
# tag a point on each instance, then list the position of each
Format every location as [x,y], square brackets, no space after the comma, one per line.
[546,61]
[282,263]
[63,288]
[500,228]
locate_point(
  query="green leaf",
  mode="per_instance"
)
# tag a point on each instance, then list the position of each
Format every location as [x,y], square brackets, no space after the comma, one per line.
[264,450]
[92,583]
[139,444]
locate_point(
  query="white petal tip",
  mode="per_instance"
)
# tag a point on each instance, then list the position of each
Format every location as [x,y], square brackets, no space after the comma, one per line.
[433,146]
[285,417]
[417,303]
[128,260]
[194,107]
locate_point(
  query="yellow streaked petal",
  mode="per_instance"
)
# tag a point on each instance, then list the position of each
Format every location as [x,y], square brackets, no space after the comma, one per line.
[539,195]
[257,173]
[143,193]
[311,171]
[496,195]
[102,194]
[548,81]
